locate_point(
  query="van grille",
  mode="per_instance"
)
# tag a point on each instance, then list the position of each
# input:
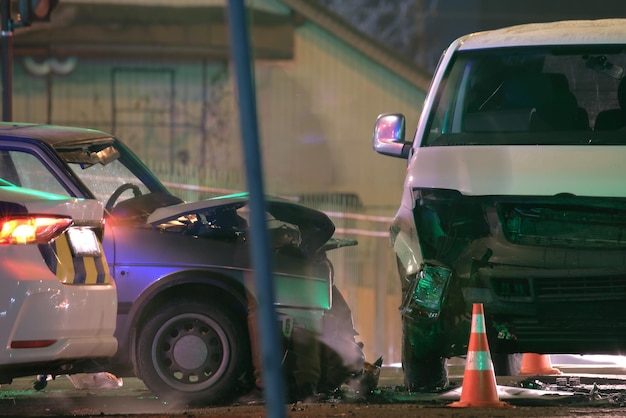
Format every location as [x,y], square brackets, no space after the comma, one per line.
[564,226]
[610,287]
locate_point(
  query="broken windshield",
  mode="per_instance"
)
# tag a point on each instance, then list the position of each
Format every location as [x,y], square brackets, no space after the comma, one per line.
[535,96]
[112,172]
[103,180]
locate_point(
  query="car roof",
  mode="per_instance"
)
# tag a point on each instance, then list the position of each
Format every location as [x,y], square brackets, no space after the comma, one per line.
[51,134]
[567,32]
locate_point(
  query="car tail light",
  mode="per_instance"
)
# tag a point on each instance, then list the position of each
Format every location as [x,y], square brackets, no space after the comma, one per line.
[33,229]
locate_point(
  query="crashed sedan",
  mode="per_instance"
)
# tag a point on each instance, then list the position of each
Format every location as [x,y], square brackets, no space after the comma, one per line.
[515,197]
[182,270]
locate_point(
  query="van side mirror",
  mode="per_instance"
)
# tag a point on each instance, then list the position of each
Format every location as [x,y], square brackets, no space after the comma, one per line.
[389,133]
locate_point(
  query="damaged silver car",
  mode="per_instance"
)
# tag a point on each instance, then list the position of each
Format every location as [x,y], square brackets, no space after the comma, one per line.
[182,270]
[515,197]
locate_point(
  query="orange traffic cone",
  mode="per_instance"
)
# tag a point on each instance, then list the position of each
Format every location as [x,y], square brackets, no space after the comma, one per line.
[479,380]
[533,363]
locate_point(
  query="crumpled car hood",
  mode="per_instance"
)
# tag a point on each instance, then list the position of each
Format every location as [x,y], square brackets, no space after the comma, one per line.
[316,226]
[166,213]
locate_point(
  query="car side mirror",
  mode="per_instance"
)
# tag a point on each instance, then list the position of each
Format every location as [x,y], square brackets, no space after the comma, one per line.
[389,133]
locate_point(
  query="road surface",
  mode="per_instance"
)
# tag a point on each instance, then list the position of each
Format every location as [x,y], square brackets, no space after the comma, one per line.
[583,390]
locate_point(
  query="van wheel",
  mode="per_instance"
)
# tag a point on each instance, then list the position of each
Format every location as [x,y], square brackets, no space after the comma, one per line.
[192,352]
[424,373]
[506,364]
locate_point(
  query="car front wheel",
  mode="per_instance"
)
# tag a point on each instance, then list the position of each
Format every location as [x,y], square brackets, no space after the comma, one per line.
[192,352]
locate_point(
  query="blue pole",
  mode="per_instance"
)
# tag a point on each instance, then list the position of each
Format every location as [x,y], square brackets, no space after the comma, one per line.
[274,392]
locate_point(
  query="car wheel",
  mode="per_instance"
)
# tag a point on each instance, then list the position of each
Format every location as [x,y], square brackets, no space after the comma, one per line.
[507,364]
[424,373]
[192,352]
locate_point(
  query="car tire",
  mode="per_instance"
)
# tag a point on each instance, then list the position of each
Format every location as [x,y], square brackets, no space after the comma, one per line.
[193,352]
[506,364]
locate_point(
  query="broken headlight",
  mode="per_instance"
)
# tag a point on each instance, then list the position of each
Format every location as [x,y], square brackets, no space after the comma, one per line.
[425,294]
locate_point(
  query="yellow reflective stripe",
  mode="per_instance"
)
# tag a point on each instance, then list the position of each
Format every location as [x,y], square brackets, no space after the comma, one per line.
[65,267]
[104,267]
[90,270]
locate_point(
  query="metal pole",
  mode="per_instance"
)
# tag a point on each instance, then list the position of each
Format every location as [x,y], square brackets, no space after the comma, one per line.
[261,257]
[7,60]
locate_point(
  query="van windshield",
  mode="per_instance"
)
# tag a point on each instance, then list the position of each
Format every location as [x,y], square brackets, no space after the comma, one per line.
[532,95]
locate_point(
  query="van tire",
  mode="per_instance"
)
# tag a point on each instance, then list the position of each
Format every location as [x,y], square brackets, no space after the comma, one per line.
[424,373]
[506,364]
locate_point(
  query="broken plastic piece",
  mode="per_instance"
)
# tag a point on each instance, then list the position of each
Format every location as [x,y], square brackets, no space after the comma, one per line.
[102,380]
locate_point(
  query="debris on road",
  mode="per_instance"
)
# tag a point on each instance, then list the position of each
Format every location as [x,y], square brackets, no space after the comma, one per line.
[102,380]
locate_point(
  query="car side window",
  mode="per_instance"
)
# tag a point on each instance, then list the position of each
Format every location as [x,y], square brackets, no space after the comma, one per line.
[26,170]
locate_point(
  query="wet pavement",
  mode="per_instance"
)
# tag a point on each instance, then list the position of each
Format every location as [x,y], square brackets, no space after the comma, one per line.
[581,391]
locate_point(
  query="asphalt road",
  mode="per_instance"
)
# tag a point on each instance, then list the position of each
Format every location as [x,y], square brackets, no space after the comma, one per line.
[582,390]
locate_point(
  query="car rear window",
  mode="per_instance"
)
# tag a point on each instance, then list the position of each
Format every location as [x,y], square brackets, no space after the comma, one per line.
[24,169]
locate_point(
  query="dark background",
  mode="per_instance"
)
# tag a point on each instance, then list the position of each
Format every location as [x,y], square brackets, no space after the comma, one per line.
[422,29]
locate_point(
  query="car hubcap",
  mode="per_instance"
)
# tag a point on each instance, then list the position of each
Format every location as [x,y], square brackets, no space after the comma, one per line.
[190,350]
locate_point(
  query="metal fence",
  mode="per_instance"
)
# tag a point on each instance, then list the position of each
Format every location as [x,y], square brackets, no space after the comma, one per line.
[365,274]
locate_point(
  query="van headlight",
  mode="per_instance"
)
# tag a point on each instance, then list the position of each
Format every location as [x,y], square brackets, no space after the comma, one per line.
[430,287]
[424,296]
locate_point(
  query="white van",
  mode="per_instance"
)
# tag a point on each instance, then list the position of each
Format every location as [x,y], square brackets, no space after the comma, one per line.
[515,197]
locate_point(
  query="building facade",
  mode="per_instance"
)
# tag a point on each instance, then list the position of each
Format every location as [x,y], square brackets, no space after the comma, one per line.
[160,78]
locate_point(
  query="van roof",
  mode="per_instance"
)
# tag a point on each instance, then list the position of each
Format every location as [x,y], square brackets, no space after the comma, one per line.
[567,32]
